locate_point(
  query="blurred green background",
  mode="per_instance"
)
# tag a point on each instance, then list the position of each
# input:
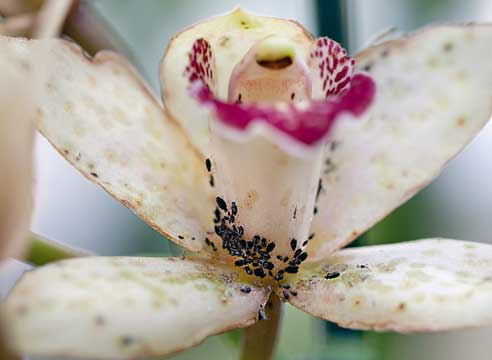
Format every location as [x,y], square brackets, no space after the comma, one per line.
[457,205]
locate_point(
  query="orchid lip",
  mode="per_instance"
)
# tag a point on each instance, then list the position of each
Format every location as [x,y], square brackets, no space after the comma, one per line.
[295,114]
[320,115]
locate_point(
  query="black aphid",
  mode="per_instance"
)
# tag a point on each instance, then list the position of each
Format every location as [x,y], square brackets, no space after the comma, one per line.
[292,269]
[245,289]
[261,314]
[259,272]
[303,256]
[332,275]
[221,203]
[293,244]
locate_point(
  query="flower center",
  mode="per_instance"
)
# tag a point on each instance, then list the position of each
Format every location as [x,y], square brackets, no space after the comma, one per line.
[267,145]
[267,196]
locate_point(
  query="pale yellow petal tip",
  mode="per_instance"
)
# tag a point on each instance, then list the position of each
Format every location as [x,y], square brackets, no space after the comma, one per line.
[243,19]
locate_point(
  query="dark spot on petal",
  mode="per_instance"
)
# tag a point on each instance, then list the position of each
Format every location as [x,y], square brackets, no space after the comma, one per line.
[447,47]
[126,340]
[99,320]
[367,67]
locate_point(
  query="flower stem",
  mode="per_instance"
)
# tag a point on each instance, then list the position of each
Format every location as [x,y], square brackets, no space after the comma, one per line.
[260,339]
[43,251]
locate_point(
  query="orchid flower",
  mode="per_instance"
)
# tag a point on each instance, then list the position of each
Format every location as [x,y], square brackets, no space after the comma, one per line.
[273,151]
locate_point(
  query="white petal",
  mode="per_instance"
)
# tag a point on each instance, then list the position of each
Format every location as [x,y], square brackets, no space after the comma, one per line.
[125,308]
[16,153]
[434,94]
[101,117]
[419,286]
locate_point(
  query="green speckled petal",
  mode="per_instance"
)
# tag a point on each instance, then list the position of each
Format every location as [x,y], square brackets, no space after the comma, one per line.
[418,286]
[102,307]
[101,117]
[434,94]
